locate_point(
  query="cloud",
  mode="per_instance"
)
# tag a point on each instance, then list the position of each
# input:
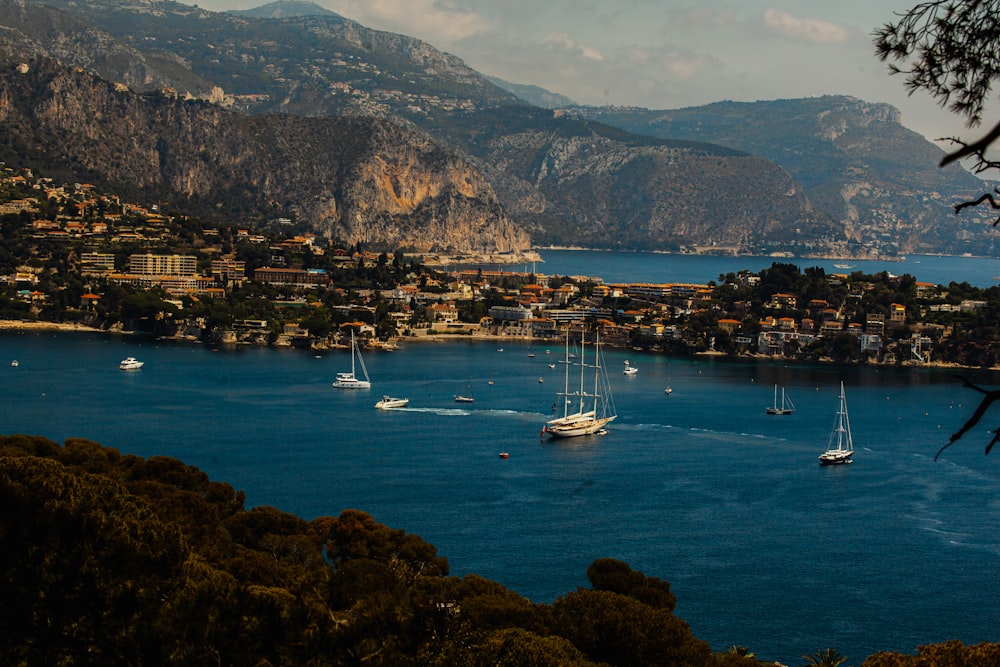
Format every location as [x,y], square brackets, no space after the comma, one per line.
[808,30]
[568,44]
[434,21]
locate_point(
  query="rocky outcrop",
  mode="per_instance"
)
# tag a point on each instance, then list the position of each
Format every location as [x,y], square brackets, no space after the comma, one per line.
[351,179]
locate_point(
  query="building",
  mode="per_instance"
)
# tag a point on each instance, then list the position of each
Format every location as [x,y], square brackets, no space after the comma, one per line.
[163,265]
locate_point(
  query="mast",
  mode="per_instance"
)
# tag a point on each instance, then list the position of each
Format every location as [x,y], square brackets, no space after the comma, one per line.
[597,370]
[565,396]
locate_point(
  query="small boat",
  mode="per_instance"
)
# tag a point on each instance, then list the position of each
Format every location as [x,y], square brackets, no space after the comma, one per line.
[843,266]
[345,380]
[541,380]
[531,355]
[668,391]
[630,369]
[14,363]
[504,455]
[388,403]
[130,364]
[467,397]
[786,407]
[840,446]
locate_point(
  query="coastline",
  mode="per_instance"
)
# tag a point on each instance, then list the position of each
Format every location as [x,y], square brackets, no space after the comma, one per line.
[39,325]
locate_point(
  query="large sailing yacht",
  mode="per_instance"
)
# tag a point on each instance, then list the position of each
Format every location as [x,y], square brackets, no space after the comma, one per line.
[588,417]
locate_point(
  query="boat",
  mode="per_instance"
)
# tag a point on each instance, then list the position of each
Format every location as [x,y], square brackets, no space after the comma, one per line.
[668,391]
[14,363]
[786,407]
[590,417]
[630,369]
[389,403]
[130,364]
[467,397]
[843,266]
[345,380]
[504,455]
[840,446]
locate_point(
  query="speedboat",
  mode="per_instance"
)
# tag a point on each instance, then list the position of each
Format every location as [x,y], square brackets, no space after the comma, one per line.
[630,369]
[388,403]
[130,364]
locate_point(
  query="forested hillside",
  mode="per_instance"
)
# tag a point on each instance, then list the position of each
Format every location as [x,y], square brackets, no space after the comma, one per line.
[111,559]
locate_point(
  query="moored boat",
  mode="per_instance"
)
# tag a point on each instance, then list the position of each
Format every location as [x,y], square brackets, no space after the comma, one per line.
[349,380]
[785,407]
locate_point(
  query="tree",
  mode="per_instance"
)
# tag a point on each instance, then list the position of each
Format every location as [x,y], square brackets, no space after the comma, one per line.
[826,658]
[951,49]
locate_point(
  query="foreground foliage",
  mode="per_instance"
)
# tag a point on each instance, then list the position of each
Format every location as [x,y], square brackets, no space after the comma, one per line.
[113,559]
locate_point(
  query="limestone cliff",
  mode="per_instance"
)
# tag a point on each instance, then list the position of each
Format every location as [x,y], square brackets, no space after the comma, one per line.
[352,179]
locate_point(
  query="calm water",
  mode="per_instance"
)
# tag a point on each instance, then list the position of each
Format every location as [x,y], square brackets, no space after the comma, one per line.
[657,267]
[762,546]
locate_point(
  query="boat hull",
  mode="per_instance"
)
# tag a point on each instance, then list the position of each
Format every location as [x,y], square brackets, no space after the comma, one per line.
[576,429]
[389,403]
[835,458]
[778,411]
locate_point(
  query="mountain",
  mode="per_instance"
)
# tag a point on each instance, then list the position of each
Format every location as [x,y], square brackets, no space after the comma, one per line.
[283,9]
[353,179]
[533,95]
[568,176]
[855,160]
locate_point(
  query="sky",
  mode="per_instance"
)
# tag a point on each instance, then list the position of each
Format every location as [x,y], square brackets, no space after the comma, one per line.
[664,54]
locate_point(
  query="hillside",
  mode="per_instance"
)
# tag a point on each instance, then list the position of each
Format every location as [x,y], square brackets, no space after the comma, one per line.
[855,161]
[564,175]
[353,179]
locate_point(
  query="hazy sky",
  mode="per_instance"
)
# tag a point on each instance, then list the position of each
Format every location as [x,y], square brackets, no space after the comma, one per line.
[662,54]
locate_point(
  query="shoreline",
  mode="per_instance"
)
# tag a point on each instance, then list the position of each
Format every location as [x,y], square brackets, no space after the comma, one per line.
[18,326]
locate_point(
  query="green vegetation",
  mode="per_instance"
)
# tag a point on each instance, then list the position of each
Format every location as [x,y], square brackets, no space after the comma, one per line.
[113,559]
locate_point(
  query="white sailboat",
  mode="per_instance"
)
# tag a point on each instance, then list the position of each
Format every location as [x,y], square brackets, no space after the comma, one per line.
[840,446]
[630,369]
[346,380]
[786,407]
[589,418]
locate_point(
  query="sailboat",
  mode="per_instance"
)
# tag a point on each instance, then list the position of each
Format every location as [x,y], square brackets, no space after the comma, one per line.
[840,446]
[346,380]
[467,397]
[589,418]
[786,407]
[630,369]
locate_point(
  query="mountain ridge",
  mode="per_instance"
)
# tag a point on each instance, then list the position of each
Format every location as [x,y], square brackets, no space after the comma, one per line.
[621,188]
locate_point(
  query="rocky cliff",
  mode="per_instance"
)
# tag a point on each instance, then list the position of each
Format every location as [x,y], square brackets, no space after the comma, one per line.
[352,179]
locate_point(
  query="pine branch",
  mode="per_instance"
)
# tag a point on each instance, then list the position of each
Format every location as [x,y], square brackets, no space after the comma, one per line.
[989,397]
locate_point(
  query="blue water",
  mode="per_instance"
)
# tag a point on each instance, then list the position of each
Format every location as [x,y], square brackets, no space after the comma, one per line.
[658,267]
[761,545]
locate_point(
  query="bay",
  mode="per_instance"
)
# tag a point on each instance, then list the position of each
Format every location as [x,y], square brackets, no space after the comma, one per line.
[665,268]
[762,546]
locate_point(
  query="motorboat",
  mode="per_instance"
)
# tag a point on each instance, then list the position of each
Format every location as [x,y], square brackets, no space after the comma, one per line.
[389,403]
[130,364]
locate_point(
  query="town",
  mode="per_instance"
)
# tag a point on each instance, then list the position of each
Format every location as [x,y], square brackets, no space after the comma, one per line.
[75,256]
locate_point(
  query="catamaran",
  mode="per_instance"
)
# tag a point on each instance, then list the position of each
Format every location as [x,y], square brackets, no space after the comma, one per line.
[840,446]
[346,380]
[589,418]
[786,407]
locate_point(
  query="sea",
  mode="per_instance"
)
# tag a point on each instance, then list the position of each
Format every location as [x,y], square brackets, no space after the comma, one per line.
[762,546]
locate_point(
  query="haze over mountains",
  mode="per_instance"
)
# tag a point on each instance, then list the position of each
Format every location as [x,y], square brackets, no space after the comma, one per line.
[436,156]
